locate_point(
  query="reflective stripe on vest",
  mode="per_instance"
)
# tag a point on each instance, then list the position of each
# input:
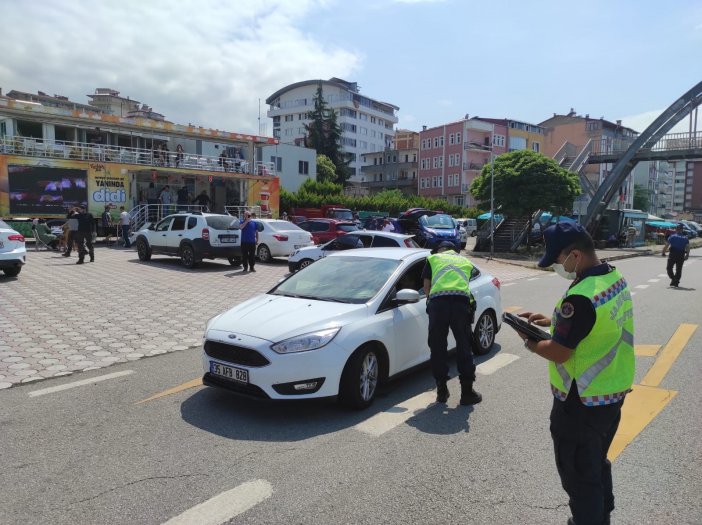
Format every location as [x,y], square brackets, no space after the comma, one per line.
[450,274]
[603,363]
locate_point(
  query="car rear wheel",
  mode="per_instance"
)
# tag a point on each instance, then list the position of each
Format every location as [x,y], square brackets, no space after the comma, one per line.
[304,263]
[187,256]
[143,250]
[359,380]
[235,261]
[484,333]
[264,253]
[12,272]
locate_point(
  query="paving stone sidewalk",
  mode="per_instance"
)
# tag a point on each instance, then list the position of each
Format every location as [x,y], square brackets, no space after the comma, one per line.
[58,318]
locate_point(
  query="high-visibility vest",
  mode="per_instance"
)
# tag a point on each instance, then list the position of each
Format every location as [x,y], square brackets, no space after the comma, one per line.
[450,274]
[603,363]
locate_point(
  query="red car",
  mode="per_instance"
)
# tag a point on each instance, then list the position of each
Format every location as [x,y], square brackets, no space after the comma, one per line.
[324,230]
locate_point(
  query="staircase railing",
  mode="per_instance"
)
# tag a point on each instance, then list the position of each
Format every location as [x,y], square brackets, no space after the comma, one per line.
[517,241]
[568,149]
[152,213]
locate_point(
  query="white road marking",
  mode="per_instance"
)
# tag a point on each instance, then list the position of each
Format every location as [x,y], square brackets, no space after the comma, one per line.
[495,363]
[632,294]
[662,275]
[382,422]
[653,280]
[642,286]
[533,279]
[226,505]
[507,284]
[82,382]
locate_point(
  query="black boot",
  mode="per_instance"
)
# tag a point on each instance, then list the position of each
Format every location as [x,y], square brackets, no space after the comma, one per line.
[442,393]
[468,395]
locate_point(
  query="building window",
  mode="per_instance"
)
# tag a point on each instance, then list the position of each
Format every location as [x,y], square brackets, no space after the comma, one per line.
[498,140]
[303,167]
[346,112]
[451,137]
[372,120]
[364,131]
[536,147]
[362,116]
[441,141]
[458,137]
[278,163]
[289,118]
[450,163]
[436,142]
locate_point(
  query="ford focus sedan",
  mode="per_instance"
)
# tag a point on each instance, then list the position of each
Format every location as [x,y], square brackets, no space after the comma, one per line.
[339,328]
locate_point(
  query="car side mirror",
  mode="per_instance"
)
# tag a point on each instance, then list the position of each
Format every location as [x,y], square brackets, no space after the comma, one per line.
[406,295]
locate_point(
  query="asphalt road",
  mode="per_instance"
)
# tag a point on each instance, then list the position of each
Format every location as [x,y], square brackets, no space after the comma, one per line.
[98,453]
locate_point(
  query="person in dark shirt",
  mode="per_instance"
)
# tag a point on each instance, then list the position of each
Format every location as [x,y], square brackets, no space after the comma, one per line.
[203,200]
[84,235]
[678,243]
[249,239]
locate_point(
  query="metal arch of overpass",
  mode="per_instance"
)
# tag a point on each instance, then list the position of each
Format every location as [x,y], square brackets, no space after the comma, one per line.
[650,136]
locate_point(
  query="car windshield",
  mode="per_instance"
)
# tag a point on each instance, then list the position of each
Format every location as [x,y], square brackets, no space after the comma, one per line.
[339,279]
[222,222]
[438,221]
[283,225]
[346,227]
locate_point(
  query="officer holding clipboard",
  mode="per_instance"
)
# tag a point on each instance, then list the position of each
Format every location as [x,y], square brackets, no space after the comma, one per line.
[591,367]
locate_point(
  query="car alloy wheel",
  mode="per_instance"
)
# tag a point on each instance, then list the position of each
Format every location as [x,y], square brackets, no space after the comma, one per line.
[187,256]
[368,379]
[264,253]
[12,272]
[484,334]
[235,261]
[143,250]
[304,263]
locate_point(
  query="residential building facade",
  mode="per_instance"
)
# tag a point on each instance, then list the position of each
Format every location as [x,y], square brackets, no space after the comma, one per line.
[293,164]
[394,168]
[367,124]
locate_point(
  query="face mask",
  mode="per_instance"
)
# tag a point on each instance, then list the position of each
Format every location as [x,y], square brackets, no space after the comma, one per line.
[560,269]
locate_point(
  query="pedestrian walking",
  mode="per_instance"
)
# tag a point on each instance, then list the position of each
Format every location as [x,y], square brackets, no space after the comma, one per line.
[249,239]
[591,368]
[678,244]
[72,222]
[106,220]
[449,305]
[124,223]
[84,235]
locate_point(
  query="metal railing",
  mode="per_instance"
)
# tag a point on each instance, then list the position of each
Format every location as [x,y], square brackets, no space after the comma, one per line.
[59,149]
[568,149]
[670,142]
[152,213]
[581,160]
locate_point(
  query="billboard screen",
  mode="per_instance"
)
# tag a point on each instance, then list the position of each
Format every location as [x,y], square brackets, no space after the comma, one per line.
[42,190]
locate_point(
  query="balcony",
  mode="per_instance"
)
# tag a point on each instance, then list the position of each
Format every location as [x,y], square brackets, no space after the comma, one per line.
[476,146]
[473,166]
[81,151]
[390,184]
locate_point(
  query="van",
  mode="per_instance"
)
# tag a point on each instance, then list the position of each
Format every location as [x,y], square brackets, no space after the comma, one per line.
[470,225]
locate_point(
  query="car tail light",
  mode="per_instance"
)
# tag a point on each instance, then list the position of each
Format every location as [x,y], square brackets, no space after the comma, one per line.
[496,282]
[408,243]
[280,237]
[205,234]
[16,237]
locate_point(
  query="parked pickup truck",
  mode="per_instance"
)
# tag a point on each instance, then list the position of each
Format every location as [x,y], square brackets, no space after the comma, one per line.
[328,211]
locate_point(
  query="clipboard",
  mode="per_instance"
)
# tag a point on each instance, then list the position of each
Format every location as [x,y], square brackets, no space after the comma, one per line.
[520,325]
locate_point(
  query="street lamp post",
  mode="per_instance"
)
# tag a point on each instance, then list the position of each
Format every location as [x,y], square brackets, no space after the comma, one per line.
[492,204]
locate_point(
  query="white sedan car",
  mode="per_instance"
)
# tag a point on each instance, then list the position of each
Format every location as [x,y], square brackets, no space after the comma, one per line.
[336,329]
[13,253]
[279,238]
[356,239]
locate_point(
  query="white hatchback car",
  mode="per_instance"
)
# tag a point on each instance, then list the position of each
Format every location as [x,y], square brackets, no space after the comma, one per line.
[338,328]
[356,239]
[13,252]
[279,238]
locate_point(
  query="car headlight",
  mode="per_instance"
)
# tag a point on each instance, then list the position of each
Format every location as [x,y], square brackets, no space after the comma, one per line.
[306,342]
[208,322]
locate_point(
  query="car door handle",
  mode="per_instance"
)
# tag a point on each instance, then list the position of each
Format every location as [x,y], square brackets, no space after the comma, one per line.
[163,235]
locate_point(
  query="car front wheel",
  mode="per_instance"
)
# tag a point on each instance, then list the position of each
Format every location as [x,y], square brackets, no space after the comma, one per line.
[304,263]
[12,272]
[235,261]
[359,380]
[484,333]
[263,253]
[143,250]
[187,256]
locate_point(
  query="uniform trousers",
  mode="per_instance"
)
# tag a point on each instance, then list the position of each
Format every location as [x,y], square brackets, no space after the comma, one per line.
[85,239]
[454,312]
[581,439]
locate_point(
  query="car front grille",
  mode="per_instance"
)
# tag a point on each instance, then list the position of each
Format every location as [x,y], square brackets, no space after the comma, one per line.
[237,355]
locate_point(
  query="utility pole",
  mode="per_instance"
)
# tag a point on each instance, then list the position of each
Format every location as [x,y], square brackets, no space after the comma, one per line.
[492,194]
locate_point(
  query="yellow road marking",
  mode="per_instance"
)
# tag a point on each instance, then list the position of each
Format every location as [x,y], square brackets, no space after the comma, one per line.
[646,350]
[512,309]
[641,407]
[174,390]
[669,354]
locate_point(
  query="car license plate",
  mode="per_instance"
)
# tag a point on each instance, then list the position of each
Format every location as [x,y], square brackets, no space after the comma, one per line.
[297,246]
[229,372]
[228,238]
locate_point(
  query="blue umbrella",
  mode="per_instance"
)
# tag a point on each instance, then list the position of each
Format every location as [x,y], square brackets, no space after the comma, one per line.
[486,216]
[661,224]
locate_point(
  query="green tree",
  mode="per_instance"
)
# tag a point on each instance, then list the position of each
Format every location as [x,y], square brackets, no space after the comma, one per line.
[642,198]
[324,134]
[526,181]
[326,171]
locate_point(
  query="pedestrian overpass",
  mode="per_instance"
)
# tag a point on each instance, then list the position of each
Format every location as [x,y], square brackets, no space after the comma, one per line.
[654,143]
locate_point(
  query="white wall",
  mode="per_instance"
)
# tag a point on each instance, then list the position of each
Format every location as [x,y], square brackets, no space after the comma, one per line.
[290,155]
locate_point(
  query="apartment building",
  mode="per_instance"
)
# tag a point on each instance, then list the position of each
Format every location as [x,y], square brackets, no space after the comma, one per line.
[394,168]
[367,124]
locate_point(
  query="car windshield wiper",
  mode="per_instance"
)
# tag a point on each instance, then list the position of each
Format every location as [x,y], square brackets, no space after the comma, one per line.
[315,298]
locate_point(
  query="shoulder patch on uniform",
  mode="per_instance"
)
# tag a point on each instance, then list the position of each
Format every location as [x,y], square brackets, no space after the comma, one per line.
[567,310]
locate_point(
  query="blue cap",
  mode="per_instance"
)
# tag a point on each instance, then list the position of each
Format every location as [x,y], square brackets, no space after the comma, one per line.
[558,237]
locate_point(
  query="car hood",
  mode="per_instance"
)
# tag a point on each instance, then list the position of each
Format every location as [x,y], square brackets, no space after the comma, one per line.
[275,318]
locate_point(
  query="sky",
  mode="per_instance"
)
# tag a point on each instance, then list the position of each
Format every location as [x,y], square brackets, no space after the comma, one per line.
[210,62]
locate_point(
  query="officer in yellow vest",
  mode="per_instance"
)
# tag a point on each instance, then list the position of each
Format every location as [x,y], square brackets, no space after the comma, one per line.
[447,287]
[591,368]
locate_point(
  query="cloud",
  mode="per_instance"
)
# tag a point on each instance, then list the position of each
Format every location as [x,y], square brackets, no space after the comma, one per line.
[200,61]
